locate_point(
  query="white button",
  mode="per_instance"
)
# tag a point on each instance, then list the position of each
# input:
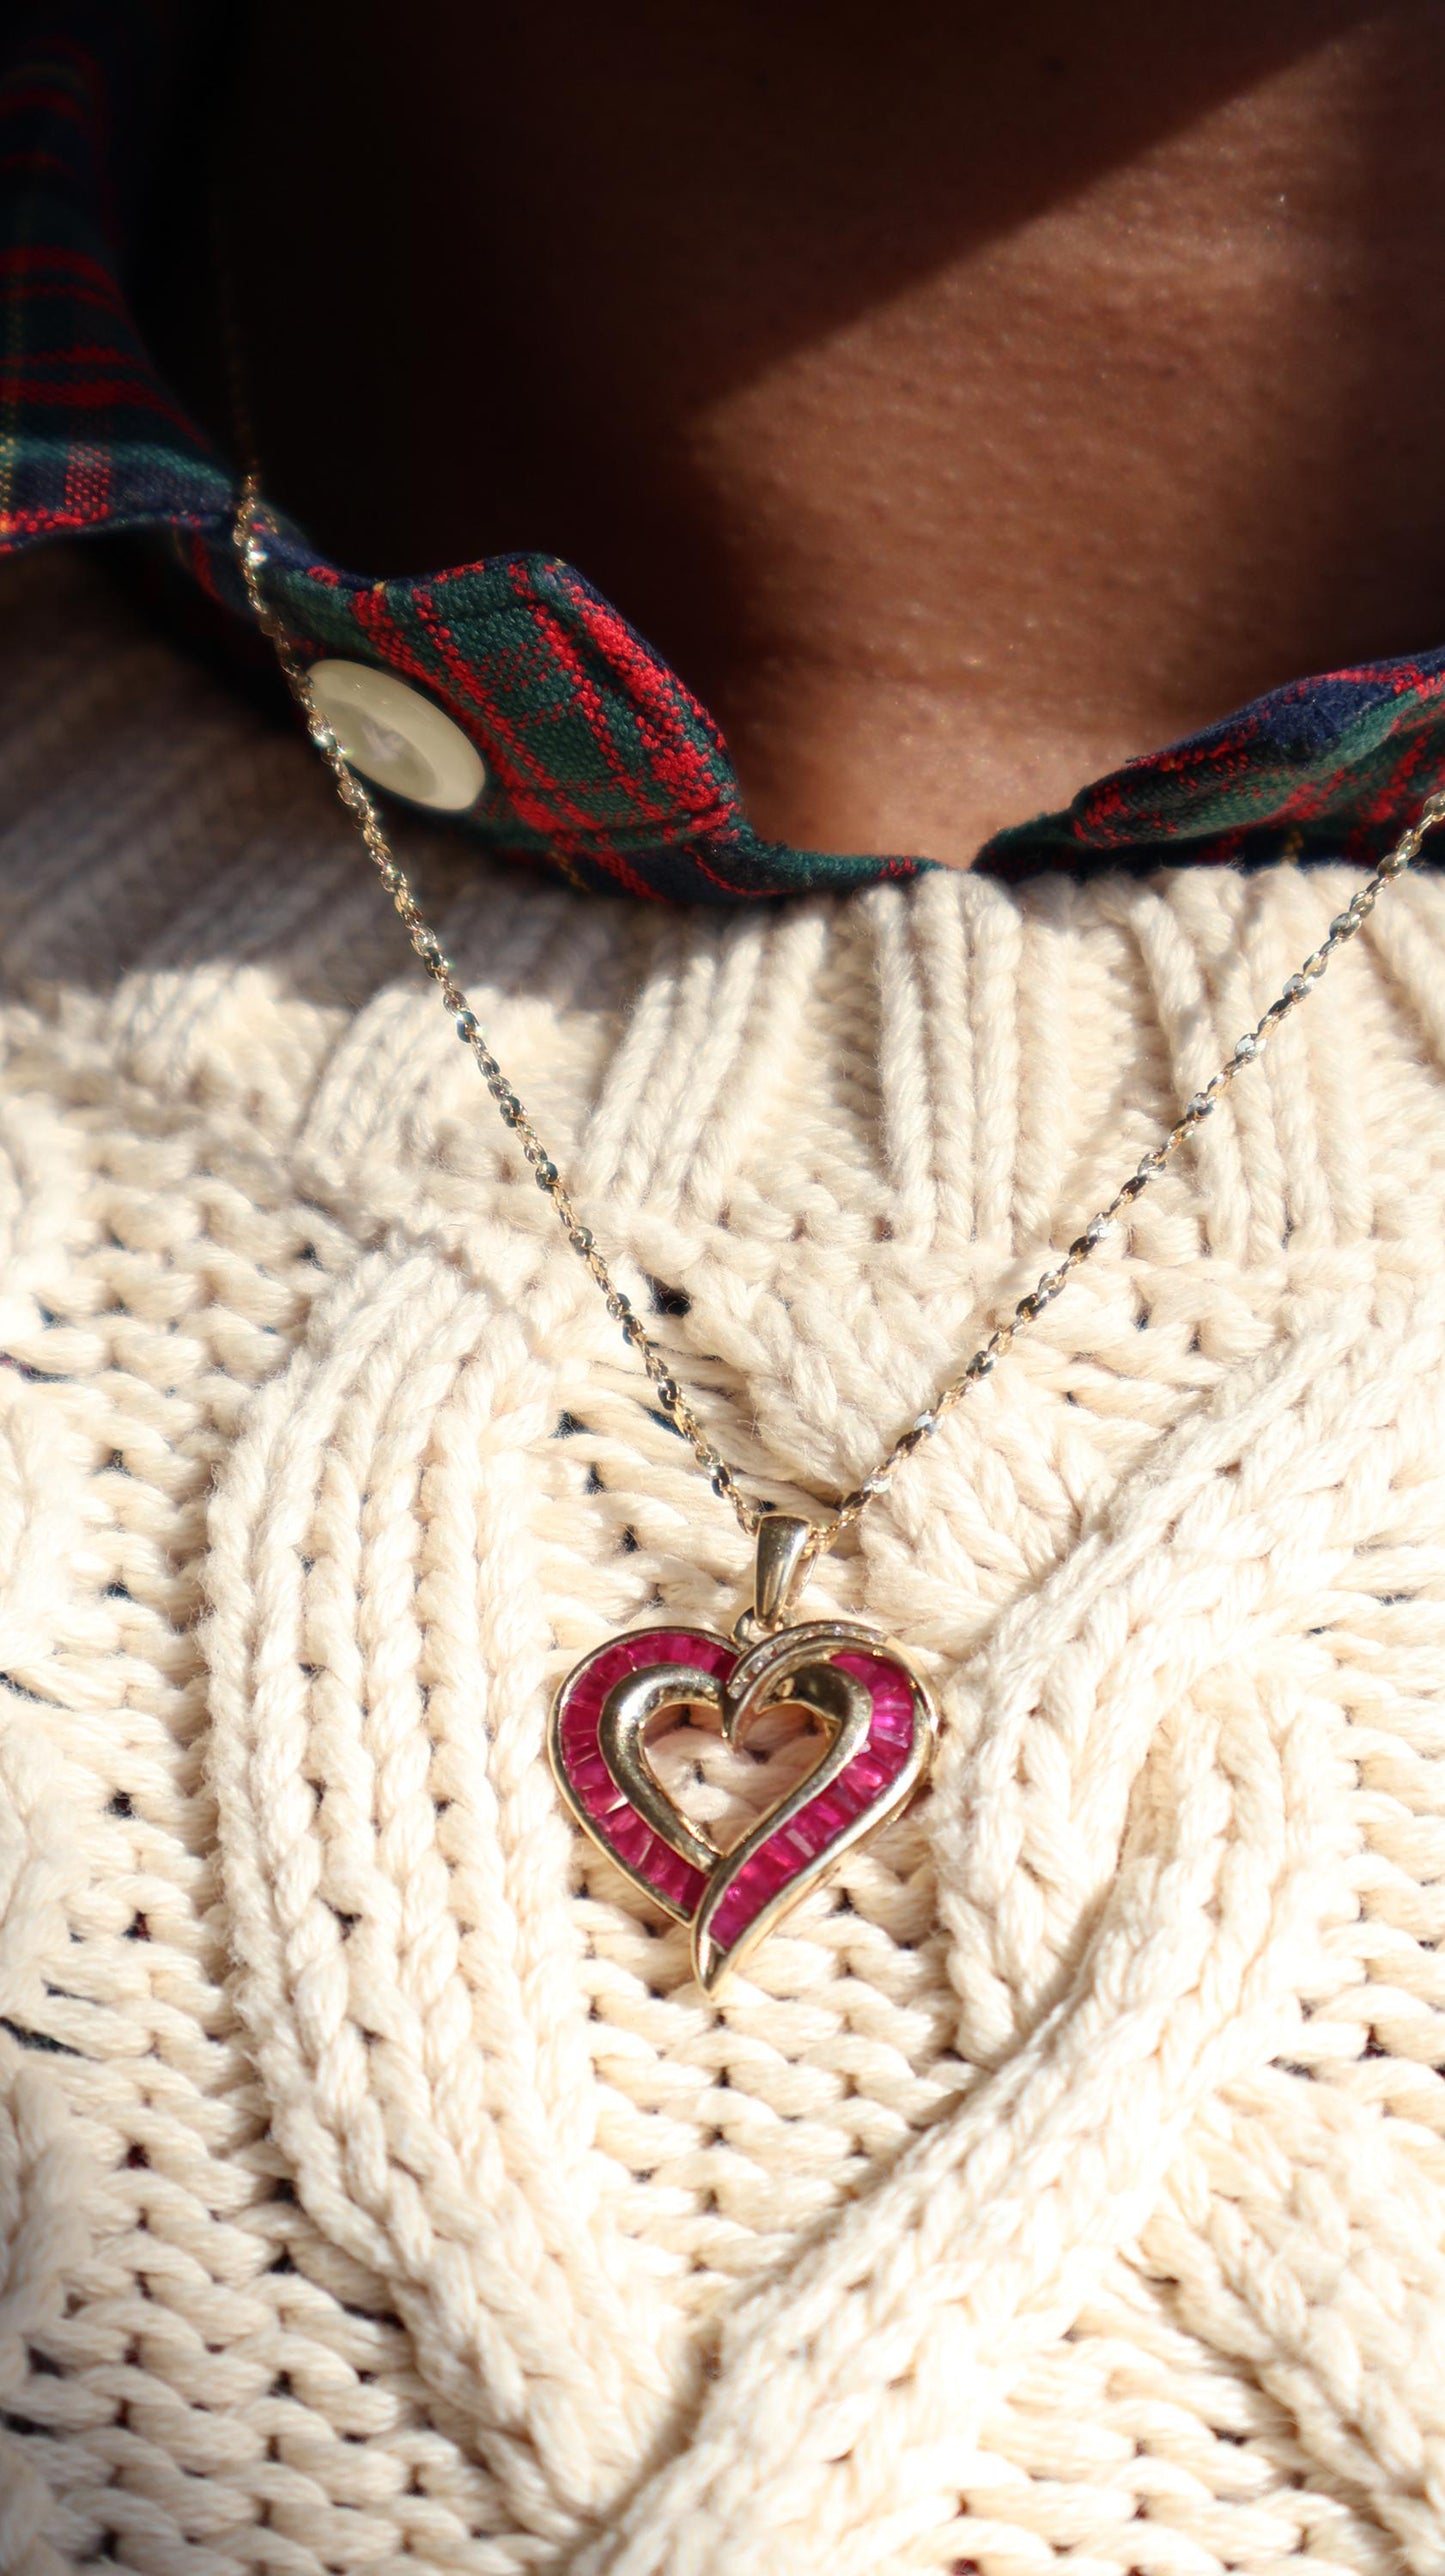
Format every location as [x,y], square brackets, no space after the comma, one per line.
[396,737]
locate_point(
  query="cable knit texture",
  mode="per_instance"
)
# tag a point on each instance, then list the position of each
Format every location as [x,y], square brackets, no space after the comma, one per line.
[1064,2185]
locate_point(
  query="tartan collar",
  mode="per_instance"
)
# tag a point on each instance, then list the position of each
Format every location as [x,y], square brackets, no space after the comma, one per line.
[600,763]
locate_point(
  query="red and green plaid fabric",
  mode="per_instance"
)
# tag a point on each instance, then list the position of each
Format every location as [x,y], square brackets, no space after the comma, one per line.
[600,763]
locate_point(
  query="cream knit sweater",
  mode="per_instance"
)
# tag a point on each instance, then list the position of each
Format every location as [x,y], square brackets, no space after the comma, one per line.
[1062,2187]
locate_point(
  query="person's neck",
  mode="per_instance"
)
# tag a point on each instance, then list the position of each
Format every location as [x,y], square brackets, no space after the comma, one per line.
[962,411]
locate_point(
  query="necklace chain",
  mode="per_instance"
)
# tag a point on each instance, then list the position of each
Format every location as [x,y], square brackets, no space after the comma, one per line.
[250,545]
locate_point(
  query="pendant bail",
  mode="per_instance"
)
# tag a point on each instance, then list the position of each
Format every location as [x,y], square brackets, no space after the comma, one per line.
[782,1565]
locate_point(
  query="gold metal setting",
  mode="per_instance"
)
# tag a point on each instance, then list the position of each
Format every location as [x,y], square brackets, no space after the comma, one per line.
[629,1713]
[792,1669]
[787,1668]
[783,1557]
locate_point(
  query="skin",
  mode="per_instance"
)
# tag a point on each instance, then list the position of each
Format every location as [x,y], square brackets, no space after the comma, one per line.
[964,400]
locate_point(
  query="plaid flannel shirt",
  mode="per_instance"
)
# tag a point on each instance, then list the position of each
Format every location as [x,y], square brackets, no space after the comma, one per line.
[599,761]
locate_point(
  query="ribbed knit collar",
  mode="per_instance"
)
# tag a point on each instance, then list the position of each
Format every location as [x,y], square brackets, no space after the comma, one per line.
[964,1067]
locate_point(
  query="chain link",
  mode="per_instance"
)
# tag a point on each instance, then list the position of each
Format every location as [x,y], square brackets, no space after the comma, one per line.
[249,536]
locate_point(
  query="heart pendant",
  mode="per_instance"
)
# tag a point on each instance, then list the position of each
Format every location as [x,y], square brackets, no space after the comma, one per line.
[879,1726]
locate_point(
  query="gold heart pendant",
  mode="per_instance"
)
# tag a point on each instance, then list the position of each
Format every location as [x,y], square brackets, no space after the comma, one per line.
[879,1724]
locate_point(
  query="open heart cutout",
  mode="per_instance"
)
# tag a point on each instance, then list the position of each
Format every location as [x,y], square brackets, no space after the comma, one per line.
[880,1724]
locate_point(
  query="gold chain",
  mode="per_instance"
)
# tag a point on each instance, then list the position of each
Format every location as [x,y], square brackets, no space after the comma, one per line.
[250,546]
